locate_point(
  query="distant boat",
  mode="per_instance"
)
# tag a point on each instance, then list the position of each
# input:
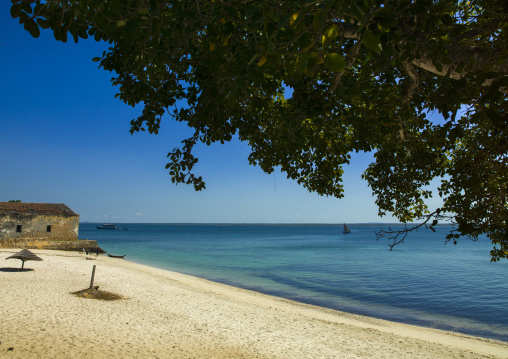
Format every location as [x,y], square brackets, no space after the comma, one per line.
[346,230]
[107,226]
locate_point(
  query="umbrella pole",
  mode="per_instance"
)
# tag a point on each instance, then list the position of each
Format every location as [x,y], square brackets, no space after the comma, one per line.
[22,263]
[93,275]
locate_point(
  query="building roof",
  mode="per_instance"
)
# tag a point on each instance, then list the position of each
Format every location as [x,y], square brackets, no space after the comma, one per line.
[36,208]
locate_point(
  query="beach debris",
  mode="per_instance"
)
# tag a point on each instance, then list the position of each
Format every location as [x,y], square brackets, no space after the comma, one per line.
[25,255]
[88,292]
[93,292]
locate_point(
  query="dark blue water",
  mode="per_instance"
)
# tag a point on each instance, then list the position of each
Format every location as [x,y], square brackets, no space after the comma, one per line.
[423,281]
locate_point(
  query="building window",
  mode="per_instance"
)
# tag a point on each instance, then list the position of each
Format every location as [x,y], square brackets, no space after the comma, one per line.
[18,228]
[48,229]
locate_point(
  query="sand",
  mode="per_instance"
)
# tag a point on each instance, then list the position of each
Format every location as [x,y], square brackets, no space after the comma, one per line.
[170,315]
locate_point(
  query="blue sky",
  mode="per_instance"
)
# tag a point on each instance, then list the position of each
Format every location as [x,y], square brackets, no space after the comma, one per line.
[64,138]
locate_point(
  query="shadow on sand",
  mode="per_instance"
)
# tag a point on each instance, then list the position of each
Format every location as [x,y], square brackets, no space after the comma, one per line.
[16,269]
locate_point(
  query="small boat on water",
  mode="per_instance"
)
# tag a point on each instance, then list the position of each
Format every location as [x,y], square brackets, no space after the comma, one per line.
[107,226]
[346,229]
[112,256]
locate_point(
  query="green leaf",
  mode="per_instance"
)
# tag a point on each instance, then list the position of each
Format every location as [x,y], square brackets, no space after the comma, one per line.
[63,35]
[306,42]
[97,59]
[335,62]
[329,35]
[358,12]
[311,64]
[318,20]
[284,20]
[32,27]
[26,7]
[274,17]
[299,21]
[371,41]
[301,66]
[15,10]
[43,23]
[384,14]
[438,65]
[273,60]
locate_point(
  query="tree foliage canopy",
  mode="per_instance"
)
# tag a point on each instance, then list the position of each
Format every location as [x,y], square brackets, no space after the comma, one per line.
[364,75]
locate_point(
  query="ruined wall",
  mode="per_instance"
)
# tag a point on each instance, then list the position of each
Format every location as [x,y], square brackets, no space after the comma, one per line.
[48,227]
[73,245]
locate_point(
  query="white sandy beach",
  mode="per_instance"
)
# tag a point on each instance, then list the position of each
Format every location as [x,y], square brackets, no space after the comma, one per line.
[171,315]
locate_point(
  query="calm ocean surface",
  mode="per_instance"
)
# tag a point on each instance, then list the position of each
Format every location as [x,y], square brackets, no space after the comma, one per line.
[422,281]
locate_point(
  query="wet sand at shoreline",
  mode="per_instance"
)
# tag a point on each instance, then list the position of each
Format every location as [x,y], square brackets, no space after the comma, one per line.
[170,315]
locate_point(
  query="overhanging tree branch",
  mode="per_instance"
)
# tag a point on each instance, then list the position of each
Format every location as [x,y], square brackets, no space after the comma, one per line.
[397,236]
[364,76]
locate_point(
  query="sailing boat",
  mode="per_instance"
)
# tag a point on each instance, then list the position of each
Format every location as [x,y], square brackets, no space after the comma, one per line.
[346,230]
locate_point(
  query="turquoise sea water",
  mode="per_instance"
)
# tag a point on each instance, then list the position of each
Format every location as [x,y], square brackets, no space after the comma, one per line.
[422,281]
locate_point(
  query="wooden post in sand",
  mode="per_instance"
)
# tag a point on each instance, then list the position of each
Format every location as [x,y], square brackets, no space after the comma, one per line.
[93,275]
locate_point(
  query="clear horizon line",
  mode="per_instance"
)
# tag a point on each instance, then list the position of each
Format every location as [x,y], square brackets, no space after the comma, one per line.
[269,223]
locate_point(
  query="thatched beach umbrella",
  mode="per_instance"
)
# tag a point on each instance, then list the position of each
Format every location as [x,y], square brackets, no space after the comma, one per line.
[25,255]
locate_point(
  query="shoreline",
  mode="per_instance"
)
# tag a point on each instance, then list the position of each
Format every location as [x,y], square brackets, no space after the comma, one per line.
[172,315]
[431,321]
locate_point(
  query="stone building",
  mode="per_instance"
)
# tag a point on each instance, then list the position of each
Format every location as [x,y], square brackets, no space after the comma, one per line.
[40,225]
[48,221]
